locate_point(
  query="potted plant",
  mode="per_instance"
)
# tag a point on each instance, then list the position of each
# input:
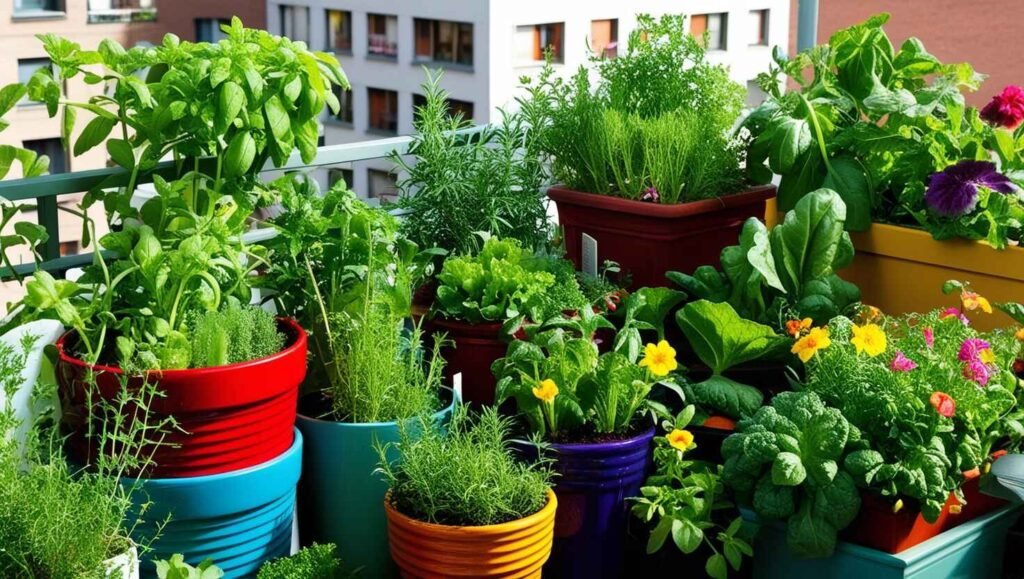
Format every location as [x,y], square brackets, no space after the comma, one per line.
[462,505]
[591,409]
[342,268]
[890,131]
[177,568]
[312,562]
[645,160]
[482,298]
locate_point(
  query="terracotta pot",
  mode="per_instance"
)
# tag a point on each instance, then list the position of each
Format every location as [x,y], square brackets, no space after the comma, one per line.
[876,526]
[512,550]
[230,417]
[648,239]
[471,350]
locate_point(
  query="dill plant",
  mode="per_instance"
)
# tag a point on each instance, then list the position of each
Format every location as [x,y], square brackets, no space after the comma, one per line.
[313,562]
[464,475]
[233,334]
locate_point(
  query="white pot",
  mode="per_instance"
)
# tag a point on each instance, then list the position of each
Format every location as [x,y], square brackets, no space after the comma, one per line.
[123,566]
[37,367]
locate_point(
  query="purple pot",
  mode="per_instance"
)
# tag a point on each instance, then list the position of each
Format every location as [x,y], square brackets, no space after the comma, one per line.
[594,480]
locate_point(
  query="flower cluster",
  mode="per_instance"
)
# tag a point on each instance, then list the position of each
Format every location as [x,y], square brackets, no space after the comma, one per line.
[979,360]
[1005,109]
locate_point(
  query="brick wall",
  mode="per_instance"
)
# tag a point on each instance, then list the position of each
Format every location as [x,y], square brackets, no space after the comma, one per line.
[178,16]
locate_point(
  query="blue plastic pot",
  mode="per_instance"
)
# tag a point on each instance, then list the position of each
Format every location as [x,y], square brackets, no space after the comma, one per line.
[594,480]
[968,551]
[342,500]
[239,519]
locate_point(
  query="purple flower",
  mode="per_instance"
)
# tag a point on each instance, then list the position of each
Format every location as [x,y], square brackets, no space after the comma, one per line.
[901,363]
[971,348]
[929,337]
[954,191]
[977,371]
[650,194]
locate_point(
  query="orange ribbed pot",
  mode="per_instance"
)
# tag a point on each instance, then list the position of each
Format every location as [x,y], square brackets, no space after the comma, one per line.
[515,549]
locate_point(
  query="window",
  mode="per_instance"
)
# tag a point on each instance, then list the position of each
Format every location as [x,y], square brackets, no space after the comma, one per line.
[107,11]
[715,25]
[336,175]
[30,8]
[70,248]
[295,22]
[382,35]
[532,41]
[53,149]
[383,110]
[345,100]
[759,32]
[339,31]
[382,185]
[444,41]
[454,106]
[208,29]
[604,37]
[26,68]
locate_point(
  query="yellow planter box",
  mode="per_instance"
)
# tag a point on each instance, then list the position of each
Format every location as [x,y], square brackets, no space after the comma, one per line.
[902,270]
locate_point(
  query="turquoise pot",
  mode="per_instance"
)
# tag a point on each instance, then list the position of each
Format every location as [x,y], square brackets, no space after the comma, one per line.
[968,551]
[240,519]
[342,500]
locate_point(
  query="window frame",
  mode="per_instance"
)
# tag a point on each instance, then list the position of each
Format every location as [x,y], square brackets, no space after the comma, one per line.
[371,18]
[370,128]
[459,33]
[763,20]
[282,9]
[346,17]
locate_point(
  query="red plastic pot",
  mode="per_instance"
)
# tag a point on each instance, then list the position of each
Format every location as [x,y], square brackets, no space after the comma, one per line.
[648,239]
[230,417]
[879,528]
[978,503]
[471,350]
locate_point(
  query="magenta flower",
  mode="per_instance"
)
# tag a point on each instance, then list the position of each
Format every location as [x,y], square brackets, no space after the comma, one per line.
[650,194]
[977,371]
[1006,109]
[929,337]
[954,313]
[901,363]
[954,191]
[971,348]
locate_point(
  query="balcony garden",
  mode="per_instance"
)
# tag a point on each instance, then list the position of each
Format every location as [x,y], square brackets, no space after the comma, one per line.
[778,342]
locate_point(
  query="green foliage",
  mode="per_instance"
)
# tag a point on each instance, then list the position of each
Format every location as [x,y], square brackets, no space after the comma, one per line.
[458,185]
[787,273]
[873,123]
[685,499]
[464,474]
[787,462]
[233,334]
[498,283]
[177,568]
[313,562]
[658,118]
[645,310]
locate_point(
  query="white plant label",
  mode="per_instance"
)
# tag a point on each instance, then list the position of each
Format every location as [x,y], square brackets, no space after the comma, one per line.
[588,261]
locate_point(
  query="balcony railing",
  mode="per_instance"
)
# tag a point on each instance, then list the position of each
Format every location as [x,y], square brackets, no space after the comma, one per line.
[105,11]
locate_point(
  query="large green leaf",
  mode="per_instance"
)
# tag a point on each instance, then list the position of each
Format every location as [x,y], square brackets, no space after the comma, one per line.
[805,244]
[791,139]
[722,395]
[721,338]
[93,134]
[848,177]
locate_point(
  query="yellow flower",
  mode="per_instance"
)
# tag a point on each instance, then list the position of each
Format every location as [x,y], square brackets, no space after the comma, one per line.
[547,390]
[680,439]
[660,359]
[987,356]
[807,346]
[1019,334]
[796,327]
[897,506]
[972,301]
[868,338]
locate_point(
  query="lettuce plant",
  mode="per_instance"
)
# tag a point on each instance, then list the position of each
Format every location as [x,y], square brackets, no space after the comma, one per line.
[786,273]
[786,461]
[177,568]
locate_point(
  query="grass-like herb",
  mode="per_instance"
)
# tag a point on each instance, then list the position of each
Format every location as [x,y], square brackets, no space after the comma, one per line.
[313,562]
[466,476]
[233,334]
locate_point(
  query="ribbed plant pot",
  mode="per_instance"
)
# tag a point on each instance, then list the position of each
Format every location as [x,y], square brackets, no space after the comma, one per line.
[230,417]
[516,549]
[240,519]
[471,350]
[877,527]
[648,239]
[341,499]
[594,480]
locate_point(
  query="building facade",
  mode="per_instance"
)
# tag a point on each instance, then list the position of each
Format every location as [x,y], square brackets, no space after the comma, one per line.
[484,47]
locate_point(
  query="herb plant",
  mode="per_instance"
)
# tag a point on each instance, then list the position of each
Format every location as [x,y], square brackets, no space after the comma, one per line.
[463,475]
[685,499]
[312,562]
[786,461]
[460,184]
[233,334]
[654,127]
[177,568]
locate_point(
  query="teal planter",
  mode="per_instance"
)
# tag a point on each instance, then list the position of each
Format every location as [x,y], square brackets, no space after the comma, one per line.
[342,500]
[969,551]
[240,519]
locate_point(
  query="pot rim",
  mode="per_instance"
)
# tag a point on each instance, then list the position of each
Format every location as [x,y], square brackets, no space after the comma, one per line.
[647,433]
[447,408]
[299,343]
[546,512]
[749,195]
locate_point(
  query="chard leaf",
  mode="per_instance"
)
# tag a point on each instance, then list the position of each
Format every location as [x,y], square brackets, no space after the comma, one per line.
[721,338]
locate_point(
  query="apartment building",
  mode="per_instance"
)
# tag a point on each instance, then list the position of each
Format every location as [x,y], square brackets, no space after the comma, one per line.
[484,47]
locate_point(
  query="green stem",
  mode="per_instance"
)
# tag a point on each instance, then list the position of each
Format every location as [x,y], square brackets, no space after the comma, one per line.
[813,117]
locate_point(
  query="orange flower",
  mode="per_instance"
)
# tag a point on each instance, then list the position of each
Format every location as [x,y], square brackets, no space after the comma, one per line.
[1019,334]
[972,301]
[796,327]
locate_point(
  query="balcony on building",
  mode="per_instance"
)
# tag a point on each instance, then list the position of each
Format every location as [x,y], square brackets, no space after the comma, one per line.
[107,11]
[38,9]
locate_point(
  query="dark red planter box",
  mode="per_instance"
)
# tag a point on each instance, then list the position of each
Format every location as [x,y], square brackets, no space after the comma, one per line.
[230,417]
[876,526]
[649,239]
[471,350]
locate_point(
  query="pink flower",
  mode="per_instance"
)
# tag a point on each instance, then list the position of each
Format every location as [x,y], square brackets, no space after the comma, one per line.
[650,194]
[1005,109]
[971,348]
[929,337]
[954,313]
[977,371]
[943,404]
[901,363]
